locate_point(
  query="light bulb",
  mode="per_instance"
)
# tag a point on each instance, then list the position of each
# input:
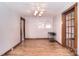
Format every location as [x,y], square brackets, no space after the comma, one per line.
[40,14]
[35,13]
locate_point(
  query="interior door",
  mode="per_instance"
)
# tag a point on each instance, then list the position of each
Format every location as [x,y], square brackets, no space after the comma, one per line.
[22,29]
[70,25]
[69,28]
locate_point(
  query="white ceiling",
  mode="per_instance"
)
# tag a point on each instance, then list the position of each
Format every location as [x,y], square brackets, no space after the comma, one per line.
[28,8]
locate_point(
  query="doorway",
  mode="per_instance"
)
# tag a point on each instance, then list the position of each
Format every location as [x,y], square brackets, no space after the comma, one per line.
[69,28]
[22,29]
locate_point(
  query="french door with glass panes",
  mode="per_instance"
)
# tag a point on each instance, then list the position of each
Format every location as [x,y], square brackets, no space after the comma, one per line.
[70,29]
[69,34]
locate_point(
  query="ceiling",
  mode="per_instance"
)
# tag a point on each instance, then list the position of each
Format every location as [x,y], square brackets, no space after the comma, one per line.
[28,8]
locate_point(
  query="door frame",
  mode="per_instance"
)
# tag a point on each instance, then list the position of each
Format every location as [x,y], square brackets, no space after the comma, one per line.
[76,26]
[22,19]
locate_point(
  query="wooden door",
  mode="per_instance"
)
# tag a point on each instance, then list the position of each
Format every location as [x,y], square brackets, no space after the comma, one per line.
[22,29]
[69,28]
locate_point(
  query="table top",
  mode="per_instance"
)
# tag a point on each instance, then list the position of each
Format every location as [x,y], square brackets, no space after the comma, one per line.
[52,33]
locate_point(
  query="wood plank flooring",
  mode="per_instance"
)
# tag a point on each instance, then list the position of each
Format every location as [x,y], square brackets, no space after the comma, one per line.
[39,48]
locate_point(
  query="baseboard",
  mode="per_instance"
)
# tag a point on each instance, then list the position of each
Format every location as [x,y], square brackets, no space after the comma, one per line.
[36,38]
[58,43]
[10,49]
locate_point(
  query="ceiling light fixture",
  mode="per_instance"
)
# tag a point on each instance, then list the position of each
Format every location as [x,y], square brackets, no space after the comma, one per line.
[40,14]
[35,13]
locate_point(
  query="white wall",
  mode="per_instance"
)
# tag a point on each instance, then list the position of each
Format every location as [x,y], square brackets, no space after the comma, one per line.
[57,27]
[36,27]
[9,29]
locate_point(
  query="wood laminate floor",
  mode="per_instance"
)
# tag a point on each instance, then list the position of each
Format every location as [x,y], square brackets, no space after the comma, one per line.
[39,48]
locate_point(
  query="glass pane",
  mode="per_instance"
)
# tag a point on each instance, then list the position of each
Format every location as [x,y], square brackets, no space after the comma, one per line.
[67,30]
[66,42]
[72,22]
[72,35]
[69,35]
[72,14]
[69,22]
[69,16]
[66,23]
[70,30]
[73,44]
[69,42]
[66,17]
